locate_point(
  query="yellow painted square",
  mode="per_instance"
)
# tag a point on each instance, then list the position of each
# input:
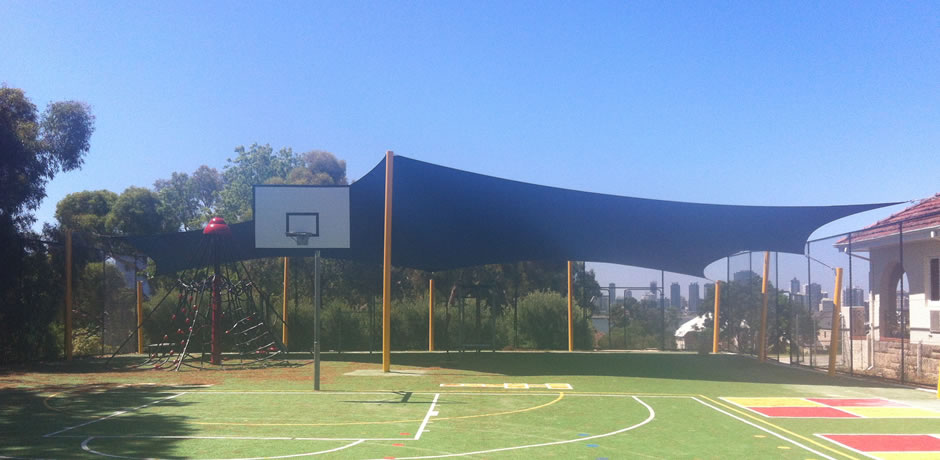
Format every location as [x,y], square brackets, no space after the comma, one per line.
[906,455]
[516,386]
[774,402]
[892,412]
[558,386]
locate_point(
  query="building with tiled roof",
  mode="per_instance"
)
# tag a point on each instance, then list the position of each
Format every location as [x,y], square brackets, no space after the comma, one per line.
[918,228]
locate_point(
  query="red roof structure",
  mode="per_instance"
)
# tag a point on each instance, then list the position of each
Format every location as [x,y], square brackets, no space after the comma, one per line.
[923,215]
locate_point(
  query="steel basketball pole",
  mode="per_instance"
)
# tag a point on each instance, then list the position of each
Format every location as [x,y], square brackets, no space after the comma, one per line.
[316,320]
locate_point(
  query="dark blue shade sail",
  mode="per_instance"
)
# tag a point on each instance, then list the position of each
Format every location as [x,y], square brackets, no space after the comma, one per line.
[445,218]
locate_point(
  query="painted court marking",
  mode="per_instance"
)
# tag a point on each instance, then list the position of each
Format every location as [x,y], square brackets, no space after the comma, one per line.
[652,415]
[306,454]
[888,446]
[748,414]
[511,386]
[387,422]
[831,408]
[766,430]
[120,412]
[431,413]
[928,445]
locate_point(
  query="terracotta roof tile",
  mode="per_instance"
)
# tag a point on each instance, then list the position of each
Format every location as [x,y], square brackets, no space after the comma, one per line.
[924,214]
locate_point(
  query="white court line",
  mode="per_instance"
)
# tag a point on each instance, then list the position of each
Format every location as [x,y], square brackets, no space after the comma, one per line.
[824,406]
[306,454]
[847,447]
[120,412]
[427,417]
[555,443]
[763,429]
[223,437]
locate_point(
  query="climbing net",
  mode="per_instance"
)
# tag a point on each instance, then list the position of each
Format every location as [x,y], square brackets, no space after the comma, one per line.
[241,329]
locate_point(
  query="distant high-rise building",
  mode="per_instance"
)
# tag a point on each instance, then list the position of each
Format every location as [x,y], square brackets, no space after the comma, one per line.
[675,295]
[694,299]
[794,286]
[854,297]
[710,290]
[627,294]
[813,293]
[612,291]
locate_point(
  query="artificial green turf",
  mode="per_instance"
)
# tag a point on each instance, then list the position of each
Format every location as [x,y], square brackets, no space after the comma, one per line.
[610,392]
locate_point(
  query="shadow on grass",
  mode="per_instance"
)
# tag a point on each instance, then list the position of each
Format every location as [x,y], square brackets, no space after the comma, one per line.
[52,422]
[131,364]
[652,365]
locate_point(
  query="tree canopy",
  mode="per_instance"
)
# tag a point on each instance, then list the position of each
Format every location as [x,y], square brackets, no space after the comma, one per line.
[86,210]
[34,148]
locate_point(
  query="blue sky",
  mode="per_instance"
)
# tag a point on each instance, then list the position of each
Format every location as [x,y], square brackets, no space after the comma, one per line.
[789,103]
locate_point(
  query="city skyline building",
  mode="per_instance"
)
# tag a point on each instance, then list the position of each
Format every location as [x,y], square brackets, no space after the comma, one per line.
[853,297]
[813,293]
[675,295]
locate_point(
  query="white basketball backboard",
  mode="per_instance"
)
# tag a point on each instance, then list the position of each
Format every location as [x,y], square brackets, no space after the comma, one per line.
[301,216]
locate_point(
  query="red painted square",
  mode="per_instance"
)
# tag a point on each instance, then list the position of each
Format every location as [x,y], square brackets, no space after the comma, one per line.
[870,402]
[823,412]
[888,442]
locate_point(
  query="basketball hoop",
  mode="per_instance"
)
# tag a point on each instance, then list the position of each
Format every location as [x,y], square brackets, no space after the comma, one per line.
[302,238]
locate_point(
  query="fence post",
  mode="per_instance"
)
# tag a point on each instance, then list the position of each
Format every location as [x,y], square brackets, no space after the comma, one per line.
[431,314]
[762,342]
[387,269]
[570,302]
[284,301]
[717,311]
[140,316]
[836,328]
[68,294]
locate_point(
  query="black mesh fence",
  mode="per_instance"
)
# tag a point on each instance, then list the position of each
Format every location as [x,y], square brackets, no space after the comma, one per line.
[885,322]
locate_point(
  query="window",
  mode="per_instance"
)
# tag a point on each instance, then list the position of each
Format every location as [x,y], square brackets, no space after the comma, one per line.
[934,279]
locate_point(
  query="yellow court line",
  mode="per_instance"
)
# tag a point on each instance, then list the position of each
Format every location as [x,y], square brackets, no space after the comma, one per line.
[811,441]
[517,411]
[45,402]
[559,398]
[453,391]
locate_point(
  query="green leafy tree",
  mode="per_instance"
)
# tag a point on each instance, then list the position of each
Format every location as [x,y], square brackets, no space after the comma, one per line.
[86,211]
[325,168]
[206,185]
[33,149]
[137,212]
[189,201]
[178,202]
[256,165]
[543,319]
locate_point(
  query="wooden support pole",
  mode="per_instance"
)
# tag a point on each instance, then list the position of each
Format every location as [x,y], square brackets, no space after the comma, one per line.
[387,268]
[140,316]
[68,295]
[570,305]
[431,314]
[836,326]
[716,316]
[284,301]
[762,342]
